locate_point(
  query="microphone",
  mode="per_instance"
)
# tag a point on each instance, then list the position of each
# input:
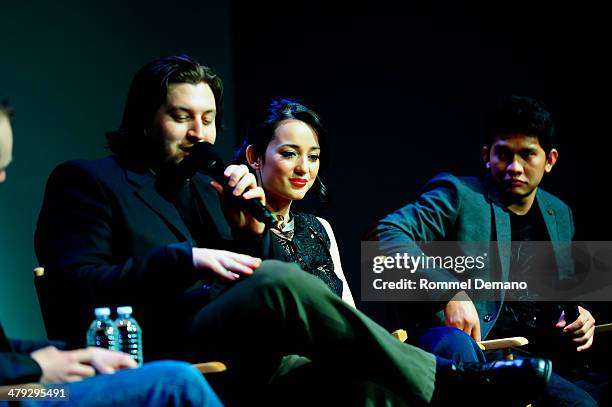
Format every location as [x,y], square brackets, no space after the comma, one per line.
[571,312]
[203,158]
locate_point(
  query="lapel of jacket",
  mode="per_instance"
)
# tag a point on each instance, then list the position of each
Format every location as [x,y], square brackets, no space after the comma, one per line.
[503,231]
[144,184]
[562,249]
[211,202]
[549,215]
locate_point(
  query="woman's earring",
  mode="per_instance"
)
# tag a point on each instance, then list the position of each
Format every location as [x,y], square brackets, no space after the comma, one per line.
[488,165]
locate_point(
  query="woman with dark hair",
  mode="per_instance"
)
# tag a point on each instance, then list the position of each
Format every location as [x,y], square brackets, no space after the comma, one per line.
[284,151]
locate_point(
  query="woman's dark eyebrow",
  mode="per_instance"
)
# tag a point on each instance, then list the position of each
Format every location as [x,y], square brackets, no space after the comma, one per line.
[295,146]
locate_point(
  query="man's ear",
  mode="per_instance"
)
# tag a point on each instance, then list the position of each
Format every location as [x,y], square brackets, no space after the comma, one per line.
[552,158]
[253,157]
[485,156]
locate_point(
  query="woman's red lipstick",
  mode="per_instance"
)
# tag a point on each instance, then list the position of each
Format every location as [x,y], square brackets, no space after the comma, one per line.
[298,182]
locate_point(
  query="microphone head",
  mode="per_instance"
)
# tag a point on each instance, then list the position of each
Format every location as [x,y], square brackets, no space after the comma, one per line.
[203,158]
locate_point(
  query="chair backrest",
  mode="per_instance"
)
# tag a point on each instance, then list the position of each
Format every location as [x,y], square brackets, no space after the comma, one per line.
[603,328]
[63,321]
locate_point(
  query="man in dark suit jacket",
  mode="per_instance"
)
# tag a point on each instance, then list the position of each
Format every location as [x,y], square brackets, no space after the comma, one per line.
[504,206]
[156,384]
[137,228]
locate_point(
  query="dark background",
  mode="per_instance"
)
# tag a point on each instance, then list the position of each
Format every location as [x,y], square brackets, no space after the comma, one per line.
[401,89]
[66,68]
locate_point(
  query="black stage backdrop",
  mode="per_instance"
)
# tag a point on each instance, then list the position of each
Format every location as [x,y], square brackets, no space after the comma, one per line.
[402,88]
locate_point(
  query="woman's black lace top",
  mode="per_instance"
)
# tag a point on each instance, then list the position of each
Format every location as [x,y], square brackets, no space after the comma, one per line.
[307,244]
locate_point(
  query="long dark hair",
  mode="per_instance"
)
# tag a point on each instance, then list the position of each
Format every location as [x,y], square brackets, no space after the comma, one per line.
[148,92]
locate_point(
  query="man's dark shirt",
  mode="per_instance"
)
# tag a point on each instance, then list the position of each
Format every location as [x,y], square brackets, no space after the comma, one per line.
[522,314]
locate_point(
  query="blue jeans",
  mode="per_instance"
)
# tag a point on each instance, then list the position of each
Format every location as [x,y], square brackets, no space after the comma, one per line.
[454,344]
[163,383]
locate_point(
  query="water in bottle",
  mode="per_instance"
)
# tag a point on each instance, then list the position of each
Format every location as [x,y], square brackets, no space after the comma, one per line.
[129,334]
[102,332]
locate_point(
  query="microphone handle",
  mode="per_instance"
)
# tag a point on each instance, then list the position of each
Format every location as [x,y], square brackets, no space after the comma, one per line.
[253,206]
[204,159]
[571,312]
[260,212]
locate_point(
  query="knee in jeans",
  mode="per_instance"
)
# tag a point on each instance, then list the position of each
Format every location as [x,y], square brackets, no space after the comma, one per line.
[450,335]
[176,371]
[448,342]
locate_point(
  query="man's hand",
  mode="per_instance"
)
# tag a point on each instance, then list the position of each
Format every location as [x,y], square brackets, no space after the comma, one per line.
[228,266]
[107,361]
[581,331]
[461,313]
[244,186]
[60,366]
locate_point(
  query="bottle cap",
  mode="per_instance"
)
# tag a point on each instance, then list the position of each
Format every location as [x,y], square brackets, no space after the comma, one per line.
[124,310]
[102,312]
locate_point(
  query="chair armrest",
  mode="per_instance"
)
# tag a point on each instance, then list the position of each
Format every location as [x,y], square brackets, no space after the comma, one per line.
[210,367]
[503,343]
[400,334]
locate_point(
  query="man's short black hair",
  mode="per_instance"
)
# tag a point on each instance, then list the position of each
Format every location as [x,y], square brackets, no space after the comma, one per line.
[520,115]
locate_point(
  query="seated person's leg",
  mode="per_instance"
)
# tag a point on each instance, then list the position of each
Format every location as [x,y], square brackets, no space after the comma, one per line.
[560,392]
[450,343]
[597,383]
[311,385]
[163,383]
[282,310]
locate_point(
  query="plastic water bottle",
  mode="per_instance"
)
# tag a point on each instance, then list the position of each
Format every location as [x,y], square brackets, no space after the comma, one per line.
[102,331]
[129,334]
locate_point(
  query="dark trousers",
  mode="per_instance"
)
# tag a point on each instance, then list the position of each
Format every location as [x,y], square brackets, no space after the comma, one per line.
[281,310]
[454,344]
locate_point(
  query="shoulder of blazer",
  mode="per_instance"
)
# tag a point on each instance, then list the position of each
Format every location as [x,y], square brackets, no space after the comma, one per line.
[473,183]
[548,200]
[468,188]
[100,169]
[109,172]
